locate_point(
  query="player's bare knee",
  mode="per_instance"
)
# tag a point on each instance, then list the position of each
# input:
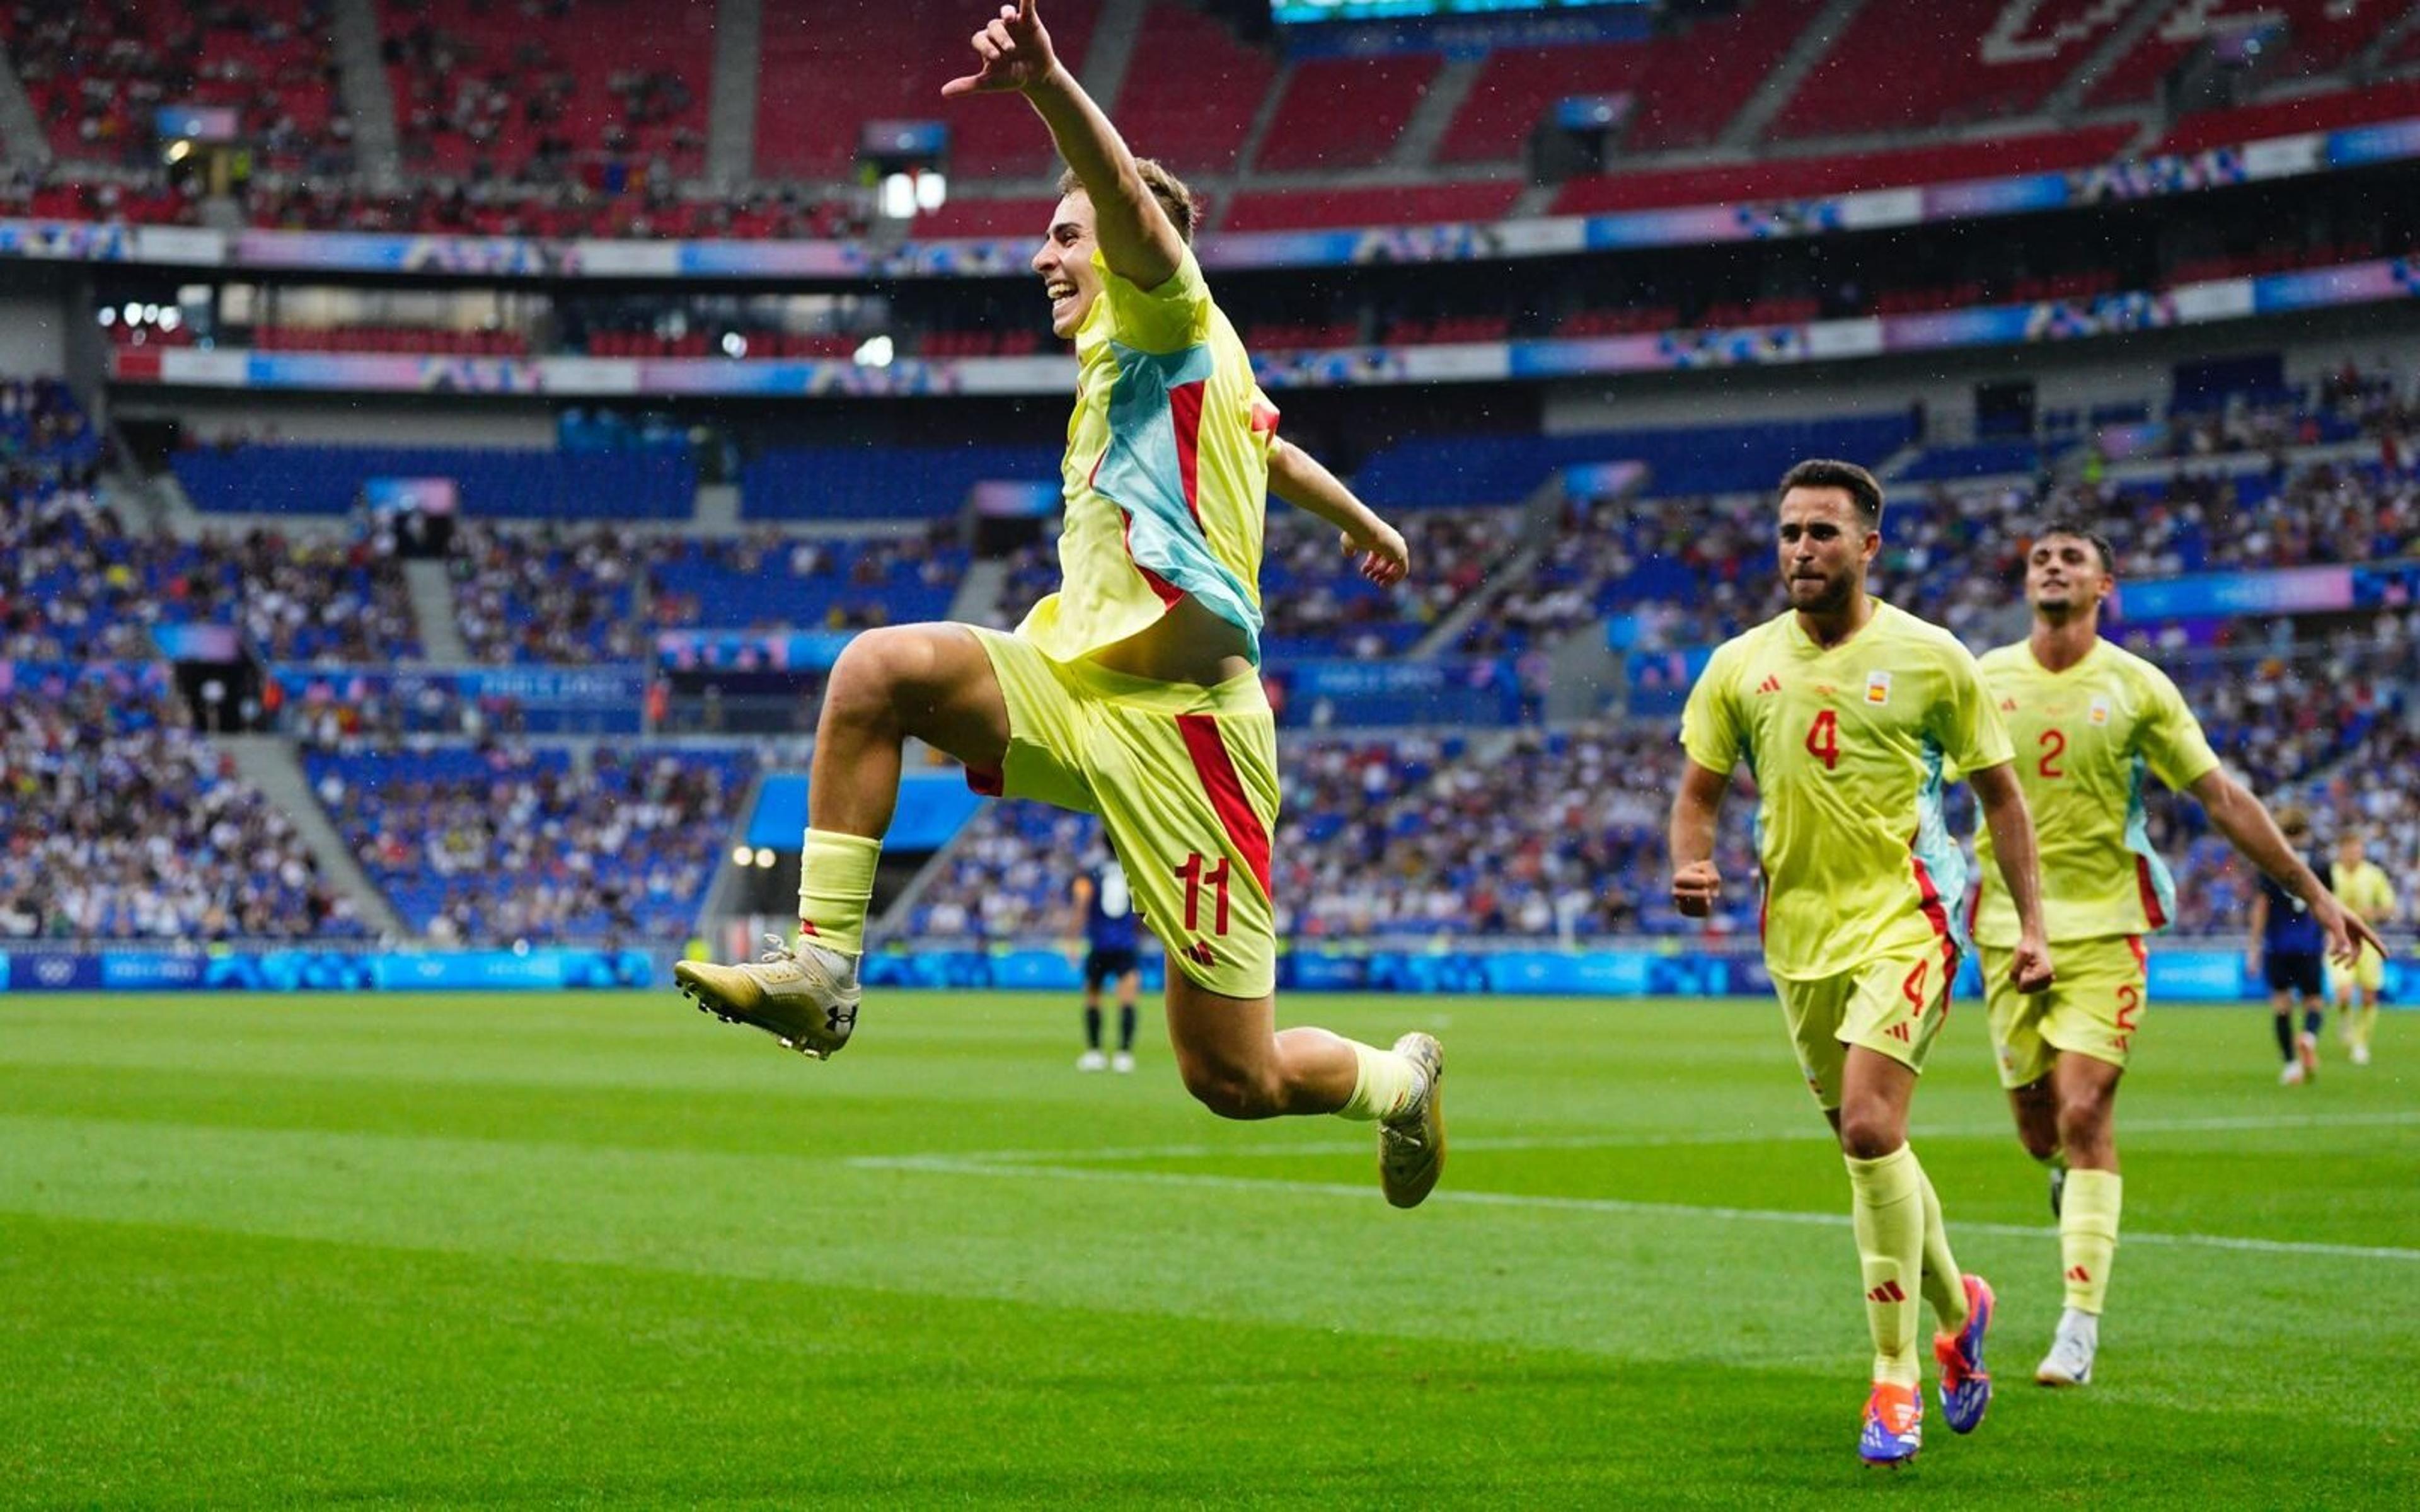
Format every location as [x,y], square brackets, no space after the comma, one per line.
[1868,1132]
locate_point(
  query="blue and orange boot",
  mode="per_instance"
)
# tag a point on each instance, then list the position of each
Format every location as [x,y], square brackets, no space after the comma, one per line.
[1965,1385]
[1894,1428]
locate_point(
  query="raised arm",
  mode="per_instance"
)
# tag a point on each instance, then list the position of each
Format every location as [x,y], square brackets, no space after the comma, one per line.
[1695,885]
[2012,842]
[2245,822]
[1303,481]
[1136,239]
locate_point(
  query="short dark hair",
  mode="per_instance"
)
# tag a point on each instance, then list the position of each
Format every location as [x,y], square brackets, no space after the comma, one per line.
[2083,531]
[1825,472]
[1183,206]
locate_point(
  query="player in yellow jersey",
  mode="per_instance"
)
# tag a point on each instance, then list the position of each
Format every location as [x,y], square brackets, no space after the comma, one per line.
[2362,885]
[2091,720]
[1134,692]
[1849,714]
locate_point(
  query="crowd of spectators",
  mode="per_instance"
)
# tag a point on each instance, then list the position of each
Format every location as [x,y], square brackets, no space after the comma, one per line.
[547,594]
[96,73]
[117,821]
[504,842]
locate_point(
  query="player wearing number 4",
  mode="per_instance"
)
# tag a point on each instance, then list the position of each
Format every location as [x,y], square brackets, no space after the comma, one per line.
[1134,692]
[2091,720]
[1846,713]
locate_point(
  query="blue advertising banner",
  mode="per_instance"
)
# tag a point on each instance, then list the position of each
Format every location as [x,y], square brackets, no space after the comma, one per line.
[2180,975]
[602,700]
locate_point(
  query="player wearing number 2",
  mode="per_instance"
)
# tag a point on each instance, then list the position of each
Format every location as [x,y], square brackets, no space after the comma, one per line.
[2091,720]
[1134,692]
[1848,713]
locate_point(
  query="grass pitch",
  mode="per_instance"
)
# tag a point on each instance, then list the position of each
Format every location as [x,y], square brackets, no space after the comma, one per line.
[595,1250]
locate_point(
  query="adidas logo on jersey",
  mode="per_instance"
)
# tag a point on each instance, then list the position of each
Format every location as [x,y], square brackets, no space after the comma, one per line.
[1770,685]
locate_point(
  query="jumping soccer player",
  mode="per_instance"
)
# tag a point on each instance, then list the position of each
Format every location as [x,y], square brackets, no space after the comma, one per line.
[2362,886]
[2090,720]
[1134,692]
[1105,914]
[1846,711]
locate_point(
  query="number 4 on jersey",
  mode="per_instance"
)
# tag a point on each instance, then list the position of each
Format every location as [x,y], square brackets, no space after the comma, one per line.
[1824,739]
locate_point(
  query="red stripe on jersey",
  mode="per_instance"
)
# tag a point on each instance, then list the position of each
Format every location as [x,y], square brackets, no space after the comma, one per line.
[1185,410]
[1928,898]
[1216,770]
[2142,957]
[1167,593]
[2152,912]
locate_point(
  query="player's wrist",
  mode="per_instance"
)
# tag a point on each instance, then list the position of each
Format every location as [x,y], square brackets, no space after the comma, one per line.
[1052,79]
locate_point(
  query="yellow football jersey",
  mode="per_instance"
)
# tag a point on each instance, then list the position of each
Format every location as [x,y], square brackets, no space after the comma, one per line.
[2364,889]
[2086,738]
[1166,469]
[1848,746]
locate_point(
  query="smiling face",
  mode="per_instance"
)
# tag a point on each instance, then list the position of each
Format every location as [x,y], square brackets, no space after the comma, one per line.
[1826,546]
[1065,264]
[2064,577]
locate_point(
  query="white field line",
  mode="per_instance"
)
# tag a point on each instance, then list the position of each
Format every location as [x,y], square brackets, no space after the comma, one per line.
[1360,1192]
[1809,1131]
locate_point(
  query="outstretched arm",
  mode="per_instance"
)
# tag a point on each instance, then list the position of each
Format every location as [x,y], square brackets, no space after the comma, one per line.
[2012,843]
[2247,826]
[1136,239]
[1303,481]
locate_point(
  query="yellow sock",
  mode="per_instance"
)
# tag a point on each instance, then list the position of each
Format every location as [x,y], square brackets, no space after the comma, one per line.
[1886,1210]
[2363,1020]
[1384,1087]
[1945,1289]
[835,888]
[2088,1236]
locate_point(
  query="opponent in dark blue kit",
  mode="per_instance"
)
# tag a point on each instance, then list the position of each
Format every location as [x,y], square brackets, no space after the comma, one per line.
[2288,945]
[1110,941]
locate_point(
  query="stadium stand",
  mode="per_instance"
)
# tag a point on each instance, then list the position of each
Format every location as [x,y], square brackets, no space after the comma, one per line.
[1282,209]
[764,580]
[2324,112]
[595,88]
[2319,35]
[539,596]
[1344,112]
[117,821]
[1872,80]
[1192,91]
[892,483]
[640,481]
[96,73]
[498,843]
[1794,178]
[819,82]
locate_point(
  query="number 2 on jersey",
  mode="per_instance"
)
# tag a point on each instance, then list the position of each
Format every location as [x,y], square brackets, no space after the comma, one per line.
[2054,745]
[1824,739]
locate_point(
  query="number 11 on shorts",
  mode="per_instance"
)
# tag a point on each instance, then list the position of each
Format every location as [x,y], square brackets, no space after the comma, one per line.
[1196,874]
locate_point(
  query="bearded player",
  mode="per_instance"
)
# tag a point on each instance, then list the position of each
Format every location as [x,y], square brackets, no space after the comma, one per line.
[1847,712]
[1134,692]
[2091,721]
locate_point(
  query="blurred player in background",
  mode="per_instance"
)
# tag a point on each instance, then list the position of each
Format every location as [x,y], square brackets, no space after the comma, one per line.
[1104,917]
[1135,691]
[2362,886]
[2090,721]
[1847,712]
[2295,924]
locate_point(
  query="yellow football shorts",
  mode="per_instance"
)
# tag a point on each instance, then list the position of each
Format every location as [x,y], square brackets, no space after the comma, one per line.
[1185,778]
[1894,1006]
[2093,1009]
[2368,972]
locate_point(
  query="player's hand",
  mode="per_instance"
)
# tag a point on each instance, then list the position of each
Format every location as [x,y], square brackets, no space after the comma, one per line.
[1695,889]
[1015,53]
[1384,558]
[2030,969]
[2348,933]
